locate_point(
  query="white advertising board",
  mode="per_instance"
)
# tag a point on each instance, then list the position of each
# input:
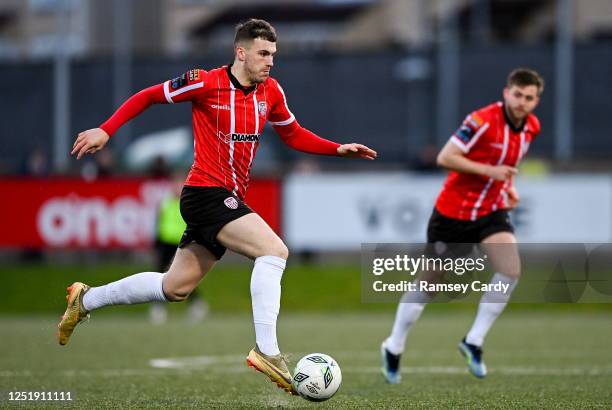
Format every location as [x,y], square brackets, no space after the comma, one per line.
[339,211]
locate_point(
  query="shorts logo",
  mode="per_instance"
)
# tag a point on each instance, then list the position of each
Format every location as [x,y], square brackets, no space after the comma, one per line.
[262,107]
[231,202]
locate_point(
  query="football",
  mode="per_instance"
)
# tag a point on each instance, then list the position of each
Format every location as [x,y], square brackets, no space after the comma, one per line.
[317,377]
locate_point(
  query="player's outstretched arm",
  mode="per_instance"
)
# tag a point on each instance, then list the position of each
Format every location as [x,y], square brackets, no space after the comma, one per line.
[301,139]
[453,158]
[356,151]
[93,140]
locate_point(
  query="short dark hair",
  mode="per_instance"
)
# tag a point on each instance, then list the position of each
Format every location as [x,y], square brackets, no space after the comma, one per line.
[254,28]
[524,77]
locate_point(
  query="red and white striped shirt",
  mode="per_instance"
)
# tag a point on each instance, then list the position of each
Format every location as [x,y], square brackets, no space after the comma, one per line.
[488,137]
[228,120]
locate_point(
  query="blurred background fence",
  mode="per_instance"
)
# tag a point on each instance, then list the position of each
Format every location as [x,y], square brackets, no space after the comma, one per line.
[398,75]
[386,99]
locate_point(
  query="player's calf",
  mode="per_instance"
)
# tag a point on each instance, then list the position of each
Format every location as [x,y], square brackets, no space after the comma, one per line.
[177,294]
[190,265]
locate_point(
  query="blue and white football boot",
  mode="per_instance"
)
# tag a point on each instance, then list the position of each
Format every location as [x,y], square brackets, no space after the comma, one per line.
[390,365]
[473,358]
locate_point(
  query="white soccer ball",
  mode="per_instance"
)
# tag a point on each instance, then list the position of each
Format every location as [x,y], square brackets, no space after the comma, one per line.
[317,377]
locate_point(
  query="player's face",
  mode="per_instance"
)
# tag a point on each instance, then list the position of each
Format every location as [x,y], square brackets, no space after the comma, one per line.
[259,59]
[520,101]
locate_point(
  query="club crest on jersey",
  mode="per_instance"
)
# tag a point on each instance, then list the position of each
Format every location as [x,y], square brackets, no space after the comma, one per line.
[262,107]
[231,202]
[236,137]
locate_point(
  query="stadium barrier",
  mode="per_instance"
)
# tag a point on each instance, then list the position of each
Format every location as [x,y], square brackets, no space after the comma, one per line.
[109,213]
[339,212]
[317,212]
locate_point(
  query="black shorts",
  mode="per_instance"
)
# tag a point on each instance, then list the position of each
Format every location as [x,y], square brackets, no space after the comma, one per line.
[456,231]
[206,210]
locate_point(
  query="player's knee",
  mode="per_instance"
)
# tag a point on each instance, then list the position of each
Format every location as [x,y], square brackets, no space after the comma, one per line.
[273,248]
[280,250]
[514,274]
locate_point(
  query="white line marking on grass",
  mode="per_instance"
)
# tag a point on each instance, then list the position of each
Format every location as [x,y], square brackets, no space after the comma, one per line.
[504,370]
[222,364]
[119,372]
[195,362]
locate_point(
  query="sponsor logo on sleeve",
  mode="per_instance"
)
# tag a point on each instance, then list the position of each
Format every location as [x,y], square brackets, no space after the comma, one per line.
[194,75]
[178,82]
[465,133]
[474,121]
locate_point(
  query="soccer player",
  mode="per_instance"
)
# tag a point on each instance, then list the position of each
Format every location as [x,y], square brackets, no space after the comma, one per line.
[230,106]
[482,156]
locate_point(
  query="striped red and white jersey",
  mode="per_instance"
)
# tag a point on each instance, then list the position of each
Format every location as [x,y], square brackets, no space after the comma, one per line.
[486,136]
[228,121]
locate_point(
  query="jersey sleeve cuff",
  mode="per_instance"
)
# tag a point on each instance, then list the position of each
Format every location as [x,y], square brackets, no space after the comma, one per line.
[107,129]
[167,92]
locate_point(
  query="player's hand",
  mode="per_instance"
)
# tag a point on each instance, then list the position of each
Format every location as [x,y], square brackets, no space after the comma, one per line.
[89,141]
[356,151]
[500,172]
[513,198]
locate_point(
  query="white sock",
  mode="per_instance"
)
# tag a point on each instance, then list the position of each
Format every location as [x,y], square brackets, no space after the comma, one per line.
[408,312]
[139,288]
[491,305]
[265,298]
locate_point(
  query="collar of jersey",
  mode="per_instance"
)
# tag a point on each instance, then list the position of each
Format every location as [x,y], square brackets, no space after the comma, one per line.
[236,83]
[509,122]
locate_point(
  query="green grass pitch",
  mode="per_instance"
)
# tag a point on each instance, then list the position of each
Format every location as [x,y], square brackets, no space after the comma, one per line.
[539,356]
[543,359]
